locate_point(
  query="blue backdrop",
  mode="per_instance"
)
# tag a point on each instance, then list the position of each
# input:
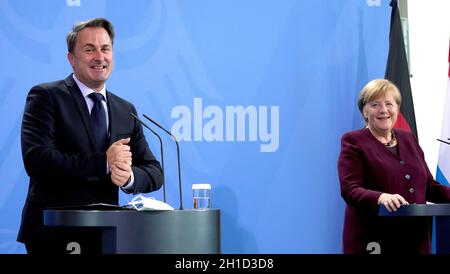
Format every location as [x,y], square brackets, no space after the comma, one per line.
[259,92]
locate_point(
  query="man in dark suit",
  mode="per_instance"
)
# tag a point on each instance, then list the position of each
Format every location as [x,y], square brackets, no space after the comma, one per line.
[80,143]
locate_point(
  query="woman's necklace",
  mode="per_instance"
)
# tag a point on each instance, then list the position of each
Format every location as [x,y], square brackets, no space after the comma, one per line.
[393,140]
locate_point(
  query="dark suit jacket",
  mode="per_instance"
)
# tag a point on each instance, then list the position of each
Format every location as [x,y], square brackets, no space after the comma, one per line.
[59,153]
[366,170]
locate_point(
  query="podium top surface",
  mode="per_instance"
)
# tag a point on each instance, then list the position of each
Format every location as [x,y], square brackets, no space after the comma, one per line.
[145,232]
[96,206]
[418,210]
[112,218]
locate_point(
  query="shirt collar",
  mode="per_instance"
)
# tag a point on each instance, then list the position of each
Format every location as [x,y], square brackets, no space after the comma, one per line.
[85,90]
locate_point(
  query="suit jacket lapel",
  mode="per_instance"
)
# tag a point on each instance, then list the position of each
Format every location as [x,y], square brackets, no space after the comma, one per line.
[82,109]
[113,114]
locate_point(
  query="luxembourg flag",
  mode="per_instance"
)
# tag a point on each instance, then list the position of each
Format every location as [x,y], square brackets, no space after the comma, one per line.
[443,169]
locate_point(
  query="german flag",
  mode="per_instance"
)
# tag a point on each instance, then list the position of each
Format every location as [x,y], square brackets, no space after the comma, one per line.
[397,71]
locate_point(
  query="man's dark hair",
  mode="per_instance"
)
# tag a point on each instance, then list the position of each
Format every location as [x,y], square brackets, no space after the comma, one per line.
[93,23]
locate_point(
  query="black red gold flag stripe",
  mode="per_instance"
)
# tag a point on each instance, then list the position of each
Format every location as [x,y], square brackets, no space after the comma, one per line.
[397,71]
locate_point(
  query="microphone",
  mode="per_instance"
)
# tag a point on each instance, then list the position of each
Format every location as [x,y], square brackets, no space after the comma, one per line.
[161,149]
[178,156]
[445,142]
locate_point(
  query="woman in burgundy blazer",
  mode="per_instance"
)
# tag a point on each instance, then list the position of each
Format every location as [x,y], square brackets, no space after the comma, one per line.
[379,165]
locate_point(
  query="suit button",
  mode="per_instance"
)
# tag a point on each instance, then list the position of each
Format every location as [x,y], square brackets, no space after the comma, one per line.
[91,178]
[402,162]
[407,176]
[411,190]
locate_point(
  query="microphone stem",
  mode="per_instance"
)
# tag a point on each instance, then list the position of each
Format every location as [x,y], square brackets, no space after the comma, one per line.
[162,171]
[162,154]
[178,155]
[179,172]
[445,142]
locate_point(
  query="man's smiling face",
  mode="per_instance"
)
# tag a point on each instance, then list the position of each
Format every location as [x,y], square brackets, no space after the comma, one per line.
[92,58]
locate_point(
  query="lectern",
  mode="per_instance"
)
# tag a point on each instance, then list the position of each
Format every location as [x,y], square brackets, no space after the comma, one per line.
[146,232]
[441,214]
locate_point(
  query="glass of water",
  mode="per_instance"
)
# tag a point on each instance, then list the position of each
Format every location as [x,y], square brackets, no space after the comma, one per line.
[201,194]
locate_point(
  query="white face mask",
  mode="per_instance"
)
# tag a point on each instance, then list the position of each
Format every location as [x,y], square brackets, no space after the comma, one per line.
[143,203]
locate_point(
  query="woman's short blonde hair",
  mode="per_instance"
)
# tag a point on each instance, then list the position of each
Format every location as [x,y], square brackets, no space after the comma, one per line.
[376,89]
